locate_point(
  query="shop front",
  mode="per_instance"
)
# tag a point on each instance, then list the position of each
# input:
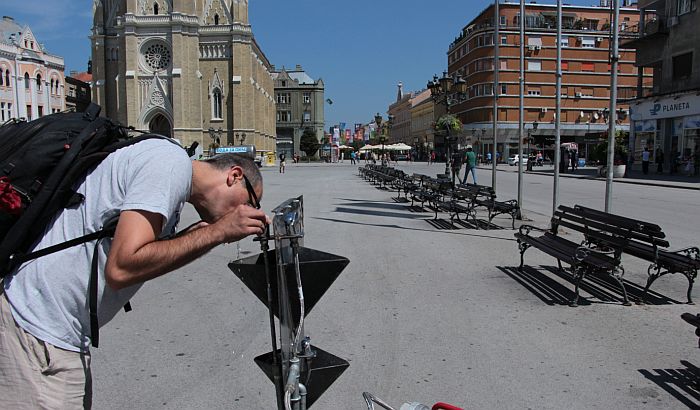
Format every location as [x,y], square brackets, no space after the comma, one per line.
[668,126]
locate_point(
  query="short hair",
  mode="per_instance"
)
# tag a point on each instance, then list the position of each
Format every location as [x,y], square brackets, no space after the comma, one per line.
[227,160]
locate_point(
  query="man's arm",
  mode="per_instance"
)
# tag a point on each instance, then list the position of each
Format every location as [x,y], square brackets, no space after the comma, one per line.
[137,256]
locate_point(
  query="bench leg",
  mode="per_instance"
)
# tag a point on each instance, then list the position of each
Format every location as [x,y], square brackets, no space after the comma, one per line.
[691,275]
[652,277]
[523,247]
[617,274]
[579,274]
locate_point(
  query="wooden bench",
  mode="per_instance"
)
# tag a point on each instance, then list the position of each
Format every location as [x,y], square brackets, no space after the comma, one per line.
[598,252]
[456,201]
[649,245]
[485,197]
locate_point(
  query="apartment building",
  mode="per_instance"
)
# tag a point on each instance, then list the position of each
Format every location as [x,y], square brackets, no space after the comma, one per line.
[585,90]
[32,82]
[300,106]
[669,45]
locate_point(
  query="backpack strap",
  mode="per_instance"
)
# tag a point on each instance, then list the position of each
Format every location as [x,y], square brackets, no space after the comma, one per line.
[18,259]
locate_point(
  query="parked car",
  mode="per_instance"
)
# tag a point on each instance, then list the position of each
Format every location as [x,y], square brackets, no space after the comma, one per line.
[513,160]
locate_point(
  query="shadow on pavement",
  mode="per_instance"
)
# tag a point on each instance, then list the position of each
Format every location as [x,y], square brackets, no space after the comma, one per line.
[602,289]
[681,383]
[470,234]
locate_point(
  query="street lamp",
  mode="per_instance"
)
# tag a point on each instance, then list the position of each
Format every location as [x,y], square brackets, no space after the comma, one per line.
[447,90]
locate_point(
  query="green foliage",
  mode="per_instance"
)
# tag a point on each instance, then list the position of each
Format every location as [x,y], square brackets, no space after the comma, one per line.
[308,143]
[450,122]
[599,153]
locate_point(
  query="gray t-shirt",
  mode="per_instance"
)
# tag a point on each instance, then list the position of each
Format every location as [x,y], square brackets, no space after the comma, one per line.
[49,295]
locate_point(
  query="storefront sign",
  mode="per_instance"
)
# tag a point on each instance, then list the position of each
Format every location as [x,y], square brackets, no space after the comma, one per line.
[669,107]
[692,122]
[645,126]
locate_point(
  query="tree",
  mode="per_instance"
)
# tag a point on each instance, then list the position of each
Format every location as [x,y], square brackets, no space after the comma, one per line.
[309,143]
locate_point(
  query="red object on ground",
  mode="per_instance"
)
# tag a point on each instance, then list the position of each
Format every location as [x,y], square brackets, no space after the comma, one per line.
[445,406]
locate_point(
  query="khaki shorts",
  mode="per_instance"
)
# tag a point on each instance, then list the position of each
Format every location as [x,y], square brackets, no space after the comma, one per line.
[38,375]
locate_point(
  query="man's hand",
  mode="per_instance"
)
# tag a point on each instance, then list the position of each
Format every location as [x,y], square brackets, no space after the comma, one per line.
[240,223]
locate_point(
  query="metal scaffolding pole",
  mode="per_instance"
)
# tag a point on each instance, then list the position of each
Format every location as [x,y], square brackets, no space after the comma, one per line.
[496,63]
[612,118]
[522,109]
[557,113]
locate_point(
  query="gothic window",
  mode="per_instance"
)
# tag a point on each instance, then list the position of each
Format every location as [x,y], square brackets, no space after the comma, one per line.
[157,56]
[7,78]
[51,86]
[217,104]
[155,8]
[26,80]
[216,19]
[1,82]
[38,82]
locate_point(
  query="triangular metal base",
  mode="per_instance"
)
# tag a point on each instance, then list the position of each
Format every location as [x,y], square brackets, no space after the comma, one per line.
[318,272]
[323,371]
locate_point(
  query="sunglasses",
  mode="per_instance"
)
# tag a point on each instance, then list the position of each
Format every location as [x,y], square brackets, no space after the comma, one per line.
[252,197]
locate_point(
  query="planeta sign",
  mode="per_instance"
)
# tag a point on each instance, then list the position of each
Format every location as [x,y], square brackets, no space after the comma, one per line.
[678,106]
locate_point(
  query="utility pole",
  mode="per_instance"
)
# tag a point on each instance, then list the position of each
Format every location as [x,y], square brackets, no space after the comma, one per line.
[522,109]
[496,41]
[557,113]
[612,118]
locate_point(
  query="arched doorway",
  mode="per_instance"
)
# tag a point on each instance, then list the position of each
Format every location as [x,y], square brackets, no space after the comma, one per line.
[160,125]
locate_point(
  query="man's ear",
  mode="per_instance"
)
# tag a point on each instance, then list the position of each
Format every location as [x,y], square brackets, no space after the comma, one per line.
[235,173]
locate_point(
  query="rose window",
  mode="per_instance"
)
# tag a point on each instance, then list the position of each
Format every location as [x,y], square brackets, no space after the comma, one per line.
[157,56]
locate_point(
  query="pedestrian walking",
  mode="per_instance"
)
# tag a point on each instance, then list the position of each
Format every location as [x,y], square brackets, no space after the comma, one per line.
[488,158]
[470,161]
[432,157]
[645,161]
[45,324]
[283,162]
[659,159]
[352,157]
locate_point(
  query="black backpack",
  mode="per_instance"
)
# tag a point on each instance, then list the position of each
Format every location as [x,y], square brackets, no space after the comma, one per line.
[41,162]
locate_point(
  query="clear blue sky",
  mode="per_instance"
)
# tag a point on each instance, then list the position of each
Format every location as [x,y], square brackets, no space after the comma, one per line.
[361,49]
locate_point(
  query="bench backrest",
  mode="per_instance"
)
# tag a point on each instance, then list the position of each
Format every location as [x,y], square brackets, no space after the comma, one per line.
[600,226]
[639,231]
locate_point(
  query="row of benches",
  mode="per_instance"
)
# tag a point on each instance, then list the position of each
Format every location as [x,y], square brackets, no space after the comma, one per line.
[441,195]
[604,238]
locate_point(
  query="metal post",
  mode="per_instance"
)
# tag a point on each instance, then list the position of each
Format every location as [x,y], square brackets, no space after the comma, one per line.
[522,109]
[496,40]
[557,110]
[613,105]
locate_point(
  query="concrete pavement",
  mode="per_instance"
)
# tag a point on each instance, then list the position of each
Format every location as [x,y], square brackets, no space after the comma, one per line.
[422,314]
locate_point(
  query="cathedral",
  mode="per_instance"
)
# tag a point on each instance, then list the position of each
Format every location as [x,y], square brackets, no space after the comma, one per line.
[190,69]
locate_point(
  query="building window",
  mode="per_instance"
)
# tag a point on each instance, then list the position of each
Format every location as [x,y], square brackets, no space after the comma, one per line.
[502,21]
[534,41]
[155,8]
[216,19]
[488,89]
[284,83]
[587,66]
[504,40]
[504,89]
[564,66]
[2,112]
[534,91]
[588,42]
[283,98]
[307,98]
[684,6]
[38,83]
[26,81]
[307,116]
[7,78]
[217,104]
[565,41]
[41,111]
[586,92]
[590,24]
[682,66]
[1,78]
[283,116]
[534,65]
[29,112]
[503,64]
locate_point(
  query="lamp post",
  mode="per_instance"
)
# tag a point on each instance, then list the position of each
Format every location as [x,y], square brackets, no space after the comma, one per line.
[447,90]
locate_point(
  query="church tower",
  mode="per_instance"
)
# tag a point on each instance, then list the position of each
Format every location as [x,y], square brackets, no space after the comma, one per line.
[189,69]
